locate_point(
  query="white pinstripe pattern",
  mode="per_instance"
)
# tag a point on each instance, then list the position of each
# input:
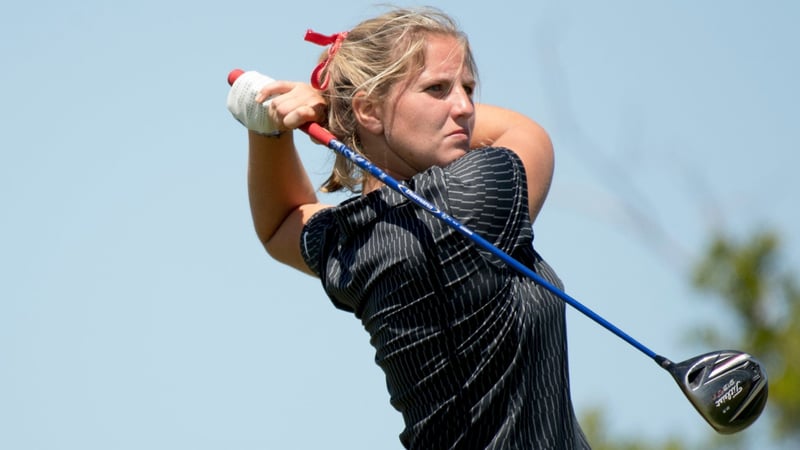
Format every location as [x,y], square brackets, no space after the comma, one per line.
[474,354]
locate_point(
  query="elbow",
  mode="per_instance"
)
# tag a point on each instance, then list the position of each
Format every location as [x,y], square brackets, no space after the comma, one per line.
[268,241]
[286,251]
[272,247]
[281,238]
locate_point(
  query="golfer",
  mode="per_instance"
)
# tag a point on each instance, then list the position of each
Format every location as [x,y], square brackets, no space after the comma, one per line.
[474,354]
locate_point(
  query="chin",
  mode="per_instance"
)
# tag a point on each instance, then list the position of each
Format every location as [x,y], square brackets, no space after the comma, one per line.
[452,156]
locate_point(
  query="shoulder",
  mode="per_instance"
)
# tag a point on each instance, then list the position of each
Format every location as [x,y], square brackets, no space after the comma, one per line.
[496,158]
[325,230]
[487,192]
[487,182]
[488,166]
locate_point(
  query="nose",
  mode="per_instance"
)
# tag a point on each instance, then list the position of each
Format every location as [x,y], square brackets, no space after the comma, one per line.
[462,102]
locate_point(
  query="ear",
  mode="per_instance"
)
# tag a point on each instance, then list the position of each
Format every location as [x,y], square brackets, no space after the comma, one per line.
[367,113]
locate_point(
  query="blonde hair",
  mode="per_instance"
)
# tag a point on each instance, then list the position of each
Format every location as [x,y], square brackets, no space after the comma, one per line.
[377,54]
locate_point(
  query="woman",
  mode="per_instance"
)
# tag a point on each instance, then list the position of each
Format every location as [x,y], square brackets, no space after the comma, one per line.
[474,354]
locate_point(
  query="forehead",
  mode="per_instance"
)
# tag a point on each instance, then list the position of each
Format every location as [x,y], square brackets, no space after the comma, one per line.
[445,55]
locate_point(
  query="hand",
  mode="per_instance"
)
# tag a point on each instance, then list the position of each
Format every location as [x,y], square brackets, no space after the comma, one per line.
[292,104]
[269,107]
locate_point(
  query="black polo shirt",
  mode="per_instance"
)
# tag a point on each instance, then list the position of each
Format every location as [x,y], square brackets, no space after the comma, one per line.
[474,353]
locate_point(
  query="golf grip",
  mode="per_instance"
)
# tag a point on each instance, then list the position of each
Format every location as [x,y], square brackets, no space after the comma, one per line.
[324,136]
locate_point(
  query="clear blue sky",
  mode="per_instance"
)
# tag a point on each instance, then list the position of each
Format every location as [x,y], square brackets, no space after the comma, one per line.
[138,311]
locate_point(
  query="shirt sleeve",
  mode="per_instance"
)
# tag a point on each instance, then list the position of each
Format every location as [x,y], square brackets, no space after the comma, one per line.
[487,190]
[313,238]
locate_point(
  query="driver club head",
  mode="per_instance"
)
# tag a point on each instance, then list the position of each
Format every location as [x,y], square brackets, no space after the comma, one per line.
[728,388]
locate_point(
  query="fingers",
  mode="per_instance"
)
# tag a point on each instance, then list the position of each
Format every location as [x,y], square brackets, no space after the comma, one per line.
[292,104]
[273,89]
[300,116]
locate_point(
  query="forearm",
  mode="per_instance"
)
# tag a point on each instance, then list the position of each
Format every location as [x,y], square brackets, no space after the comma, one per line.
[496,126]
[277,183]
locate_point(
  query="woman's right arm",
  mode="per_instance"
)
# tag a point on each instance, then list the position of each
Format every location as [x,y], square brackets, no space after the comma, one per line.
[282,197]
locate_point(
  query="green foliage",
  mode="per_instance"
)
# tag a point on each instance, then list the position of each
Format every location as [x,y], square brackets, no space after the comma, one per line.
[593,424]
[764,300]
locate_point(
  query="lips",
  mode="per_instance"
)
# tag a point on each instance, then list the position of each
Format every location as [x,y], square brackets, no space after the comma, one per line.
[461,132]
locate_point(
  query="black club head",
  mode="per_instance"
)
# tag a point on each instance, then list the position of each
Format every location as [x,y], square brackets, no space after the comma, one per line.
[728,388]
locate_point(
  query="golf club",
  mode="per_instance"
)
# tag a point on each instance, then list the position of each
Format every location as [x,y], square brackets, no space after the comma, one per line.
[728,388]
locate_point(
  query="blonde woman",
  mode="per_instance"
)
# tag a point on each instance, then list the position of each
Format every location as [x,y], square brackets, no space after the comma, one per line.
[475,355]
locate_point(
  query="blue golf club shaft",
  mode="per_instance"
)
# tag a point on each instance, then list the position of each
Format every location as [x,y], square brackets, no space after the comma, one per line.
[322,135]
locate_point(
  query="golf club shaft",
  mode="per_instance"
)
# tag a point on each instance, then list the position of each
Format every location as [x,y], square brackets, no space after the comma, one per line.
[720,419]
[324,136]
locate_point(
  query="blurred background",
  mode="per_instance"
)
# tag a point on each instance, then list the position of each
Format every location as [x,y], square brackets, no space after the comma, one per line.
[138,309]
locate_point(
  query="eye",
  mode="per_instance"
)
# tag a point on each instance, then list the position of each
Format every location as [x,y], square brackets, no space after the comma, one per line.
[469,89]
[437,88]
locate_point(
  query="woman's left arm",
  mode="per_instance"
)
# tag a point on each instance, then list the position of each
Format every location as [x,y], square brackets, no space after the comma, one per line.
[500,127]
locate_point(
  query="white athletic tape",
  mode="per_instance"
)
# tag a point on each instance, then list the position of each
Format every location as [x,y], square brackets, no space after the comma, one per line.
[241,103]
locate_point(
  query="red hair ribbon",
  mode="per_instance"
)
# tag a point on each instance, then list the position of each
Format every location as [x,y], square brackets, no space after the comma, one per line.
[335,41]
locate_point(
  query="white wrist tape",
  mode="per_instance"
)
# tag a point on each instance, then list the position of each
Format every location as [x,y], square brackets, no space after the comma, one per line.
[242,104]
